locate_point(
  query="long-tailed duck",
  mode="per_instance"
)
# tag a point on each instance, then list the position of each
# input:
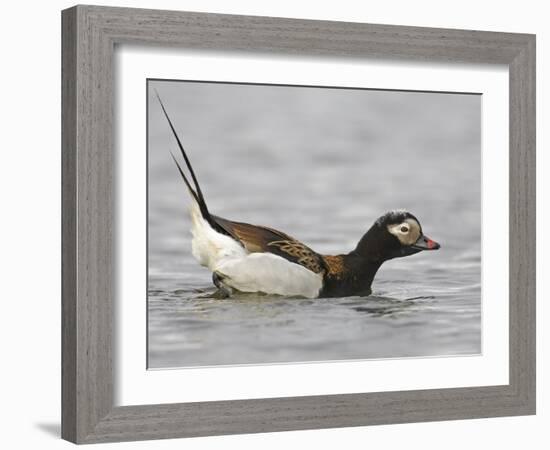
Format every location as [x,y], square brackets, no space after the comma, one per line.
[253,258]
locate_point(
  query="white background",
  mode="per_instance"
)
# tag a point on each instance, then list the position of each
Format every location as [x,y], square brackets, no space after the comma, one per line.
[30,224]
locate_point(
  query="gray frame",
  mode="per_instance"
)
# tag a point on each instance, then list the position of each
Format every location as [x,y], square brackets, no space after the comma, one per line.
[89,36]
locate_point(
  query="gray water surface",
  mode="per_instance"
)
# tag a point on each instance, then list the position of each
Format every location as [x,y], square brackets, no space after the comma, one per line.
[320,165]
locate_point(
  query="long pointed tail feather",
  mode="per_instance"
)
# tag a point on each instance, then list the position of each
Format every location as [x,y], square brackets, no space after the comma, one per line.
[185,180]
[195,193]
[180,145]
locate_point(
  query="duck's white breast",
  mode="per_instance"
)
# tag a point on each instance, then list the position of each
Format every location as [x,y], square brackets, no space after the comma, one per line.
[271,274]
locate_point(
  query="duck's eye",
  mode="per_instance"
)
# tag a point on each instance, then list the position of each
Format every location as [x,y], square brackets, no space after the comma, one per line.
[404,229]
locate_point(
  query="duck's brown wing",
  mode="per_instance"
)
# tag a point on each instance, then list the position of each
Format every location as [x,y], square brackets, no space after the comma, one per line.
[258,239]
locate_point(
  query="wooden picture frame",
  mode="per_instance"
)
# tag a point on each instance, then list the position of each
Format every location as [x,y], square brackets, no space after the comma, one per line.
[89,37]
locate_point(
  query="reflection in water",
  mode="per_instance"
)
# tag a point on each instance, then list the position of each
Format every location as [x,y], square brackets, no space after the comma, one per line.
[387,307]
[321,166]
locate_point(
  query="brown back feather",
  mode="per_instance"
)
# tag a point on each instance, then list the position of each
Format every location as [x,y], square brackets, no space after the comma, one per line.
[259,239]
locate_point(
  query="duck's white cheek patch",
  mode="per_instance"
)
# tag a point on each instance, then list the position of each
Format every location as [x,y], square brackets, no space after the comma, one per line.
[393,229]
[396,231]
[408,237]
[414,232]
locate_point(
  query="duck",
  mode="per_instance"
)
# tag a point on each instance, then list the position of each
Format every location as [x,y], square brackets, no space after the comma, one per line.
[246,258]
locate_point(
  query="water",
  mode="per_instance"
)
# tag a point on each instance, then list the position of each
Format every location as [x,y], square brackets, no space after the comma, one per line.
[320,165]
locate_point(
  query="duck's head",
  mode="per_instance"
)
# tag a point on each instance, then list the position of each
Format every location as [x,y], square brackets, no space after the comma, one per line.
[394,235]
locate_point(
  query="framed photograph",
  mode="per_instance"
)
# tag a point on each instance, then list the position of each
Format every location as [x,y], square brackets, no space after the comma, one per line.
[278,224]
